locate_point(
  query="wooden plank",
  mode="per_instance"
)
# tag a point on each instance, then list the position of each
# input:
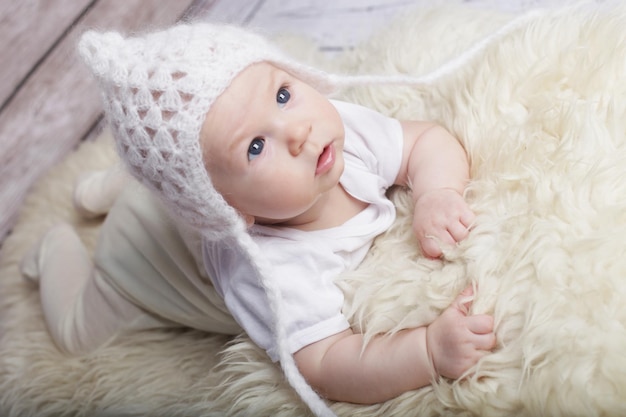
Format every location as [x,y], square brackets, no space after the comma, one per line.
[28,30]
[59,103]
[227,11]
[333,25]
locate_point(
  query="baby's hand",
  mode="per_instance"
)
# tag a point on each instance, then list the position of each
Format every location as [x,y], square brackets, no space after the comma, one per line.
[456,341]
[441,218]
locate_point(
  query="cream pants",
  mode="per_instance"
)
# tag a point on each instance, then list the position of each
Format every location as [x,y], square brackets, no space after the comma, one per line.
[146,271]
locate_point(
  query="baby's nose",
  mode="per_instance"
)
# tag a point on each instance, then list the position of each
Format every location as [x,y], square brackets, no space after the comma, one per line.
[297,135]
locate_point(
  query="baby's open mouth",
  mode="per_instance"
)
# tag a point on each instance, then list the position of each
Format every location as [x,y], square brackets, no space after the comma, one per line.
[326,160]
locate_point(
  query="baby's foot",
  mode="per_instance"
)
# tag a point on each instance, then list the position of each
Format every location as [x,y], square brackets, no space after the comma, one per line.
[84,199]
[31,264]
[96,191]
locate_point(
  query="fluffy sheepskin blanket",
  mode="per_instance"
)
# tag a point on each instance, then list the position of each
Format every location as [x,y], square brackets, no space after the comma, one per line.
[542,114]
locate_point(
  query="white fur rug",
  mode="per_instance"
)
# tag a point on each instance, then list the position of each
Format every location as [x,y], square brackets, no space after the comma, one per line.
[542,114]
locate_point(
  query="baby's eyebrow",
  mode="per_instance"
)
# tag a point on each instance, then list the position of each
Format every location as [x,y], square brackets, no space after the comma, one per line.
[273,80]
[234,142]
[236,139]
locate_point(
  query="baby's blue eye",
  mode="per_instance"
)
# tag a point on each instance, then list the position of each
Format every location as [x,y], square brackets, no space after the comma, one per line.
[255,148]
[283,96]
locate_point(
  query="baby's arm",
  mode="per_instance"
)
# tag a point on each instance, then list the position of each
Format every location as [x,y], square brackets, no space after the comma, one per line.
[390,365]
[435,166]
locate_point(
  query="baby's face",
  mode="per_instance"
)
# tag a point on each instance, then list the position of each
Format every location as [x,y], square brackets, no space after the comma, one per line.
[272,145]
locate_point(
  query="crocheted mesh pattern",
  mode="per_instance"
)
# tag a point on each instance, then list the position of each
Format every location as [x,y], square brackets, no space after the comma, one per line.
[157,90]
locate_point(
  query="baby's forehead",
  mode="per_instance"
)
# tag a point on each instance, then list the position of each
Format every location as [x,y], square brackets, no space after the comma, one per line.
[239,108]
[257,74]
[251,84]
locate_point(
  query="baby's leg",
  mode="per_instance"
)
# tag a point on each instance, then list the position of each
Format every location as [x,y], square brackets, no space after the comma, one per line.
[96,191]
[81,310]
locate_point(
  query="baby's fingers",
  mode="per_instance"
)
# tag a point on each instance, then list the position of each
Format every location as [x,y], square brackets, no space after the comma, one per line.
[480,323]
[431,247]
[481,326]
[460,228]
[458,231]
[467,218]
[484,342]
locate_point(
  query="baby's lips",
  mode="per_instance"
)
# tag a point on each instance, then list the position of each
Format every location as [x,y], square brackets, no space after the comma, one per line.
[326,160]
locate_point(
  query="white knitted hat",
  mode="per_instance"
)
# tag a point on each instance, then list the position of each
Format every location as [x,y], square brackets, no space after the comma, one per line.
[157,89]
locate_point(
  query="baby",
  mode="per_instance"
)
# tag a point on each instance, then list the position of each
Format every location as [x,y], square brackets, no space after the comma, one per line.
[273,190]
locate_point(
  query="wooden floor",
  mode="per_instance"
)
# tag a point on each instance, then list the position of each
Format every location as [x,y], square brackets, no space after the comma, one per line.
[49,103]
